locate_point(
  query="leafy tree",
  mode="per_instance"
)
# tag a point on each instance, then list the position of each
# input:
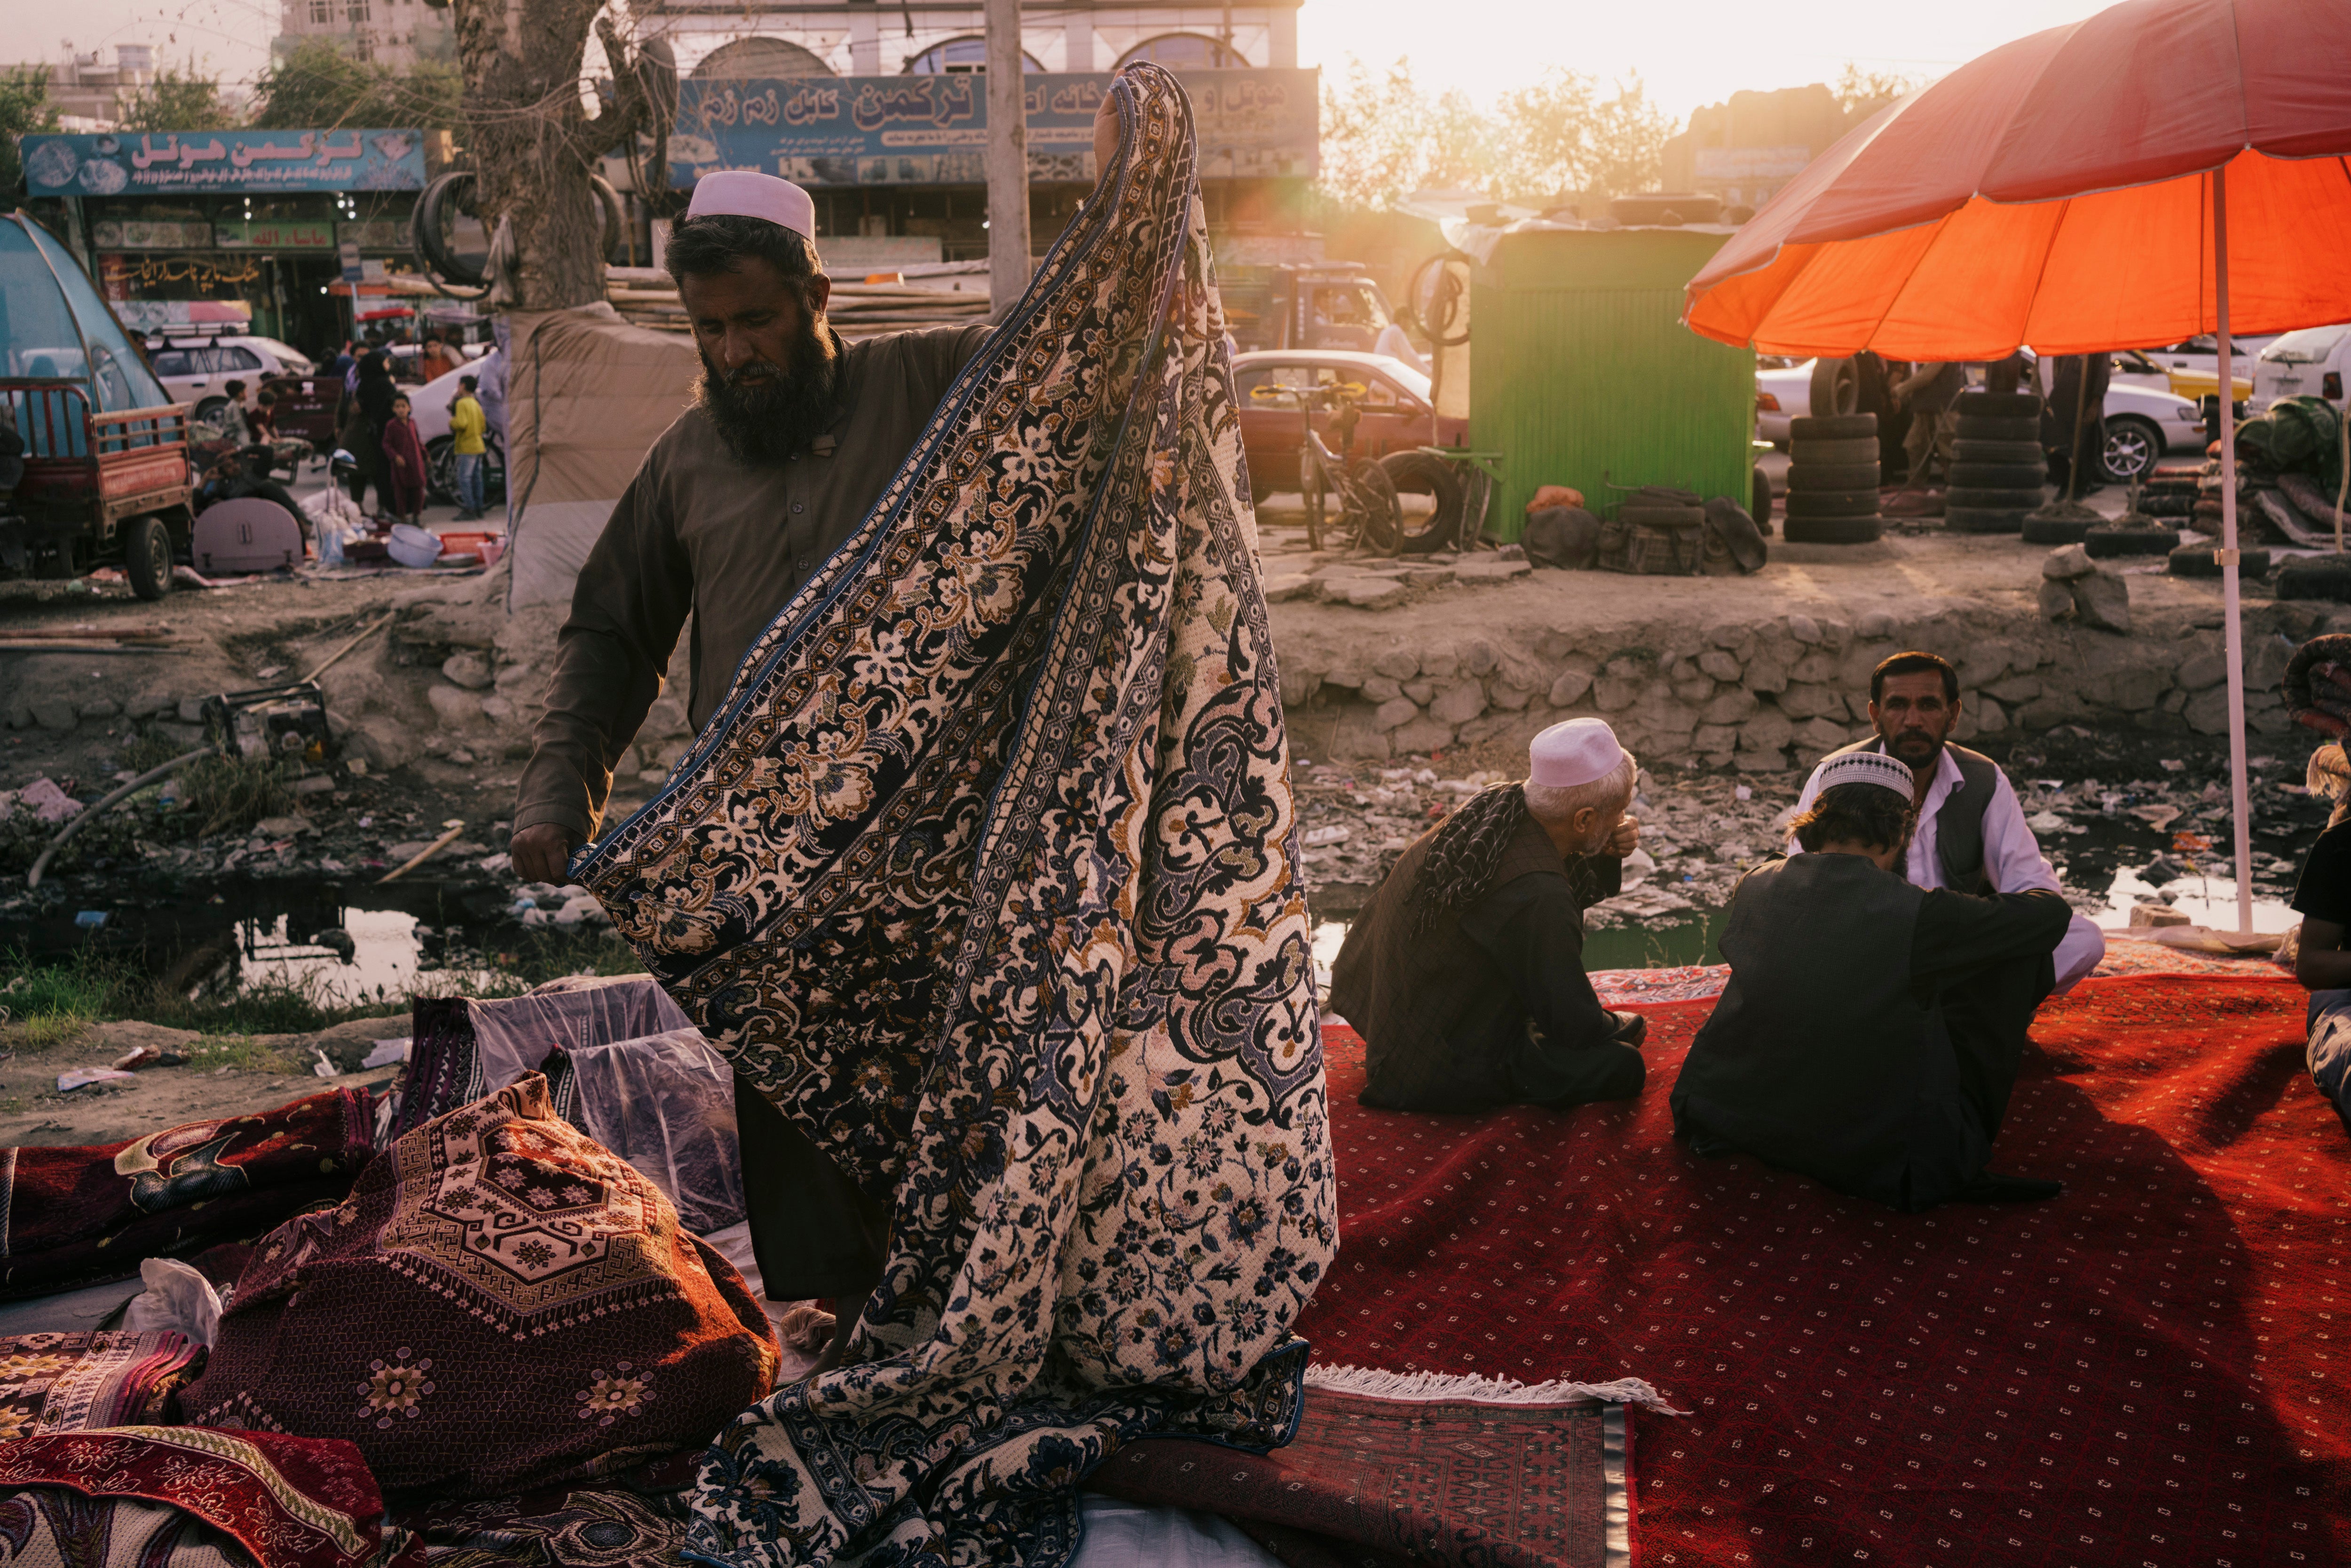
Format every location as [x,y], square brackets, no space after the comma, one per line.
[179,102]
[316,86]
[1561,135]
[25,106]
[1857,89]
[1384,137]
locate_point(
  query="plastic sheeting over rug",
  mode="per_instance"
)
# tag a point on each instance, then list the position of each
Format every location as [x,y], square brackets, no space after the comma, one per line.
[2143,1370]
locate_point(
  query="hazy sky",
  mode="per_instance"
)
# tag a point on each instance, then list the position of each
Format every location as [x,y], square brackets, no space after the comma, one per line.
[1690,52]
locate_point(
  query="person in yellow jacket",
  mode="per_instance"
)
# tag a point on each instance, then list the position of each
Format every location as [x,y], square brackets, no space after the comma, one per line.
[465,425]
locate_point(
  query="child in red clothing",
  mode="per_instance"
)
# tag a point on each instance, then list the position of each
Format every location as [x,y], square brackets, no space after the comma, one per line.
[403,463]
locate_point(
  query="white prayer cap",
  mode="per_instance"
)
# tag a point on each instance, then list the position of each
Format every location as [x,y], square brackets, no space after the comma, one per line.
[747,193]
[1869,767]
[1578,751]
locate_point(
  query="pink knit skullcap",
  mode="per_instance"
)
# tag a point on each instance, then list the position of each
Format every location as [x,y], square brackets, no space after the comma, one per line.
[1578,751]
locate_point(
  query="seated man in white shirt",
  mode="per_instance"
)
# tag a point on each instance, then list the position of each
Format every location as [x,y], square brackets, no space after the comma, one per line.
[1971,836]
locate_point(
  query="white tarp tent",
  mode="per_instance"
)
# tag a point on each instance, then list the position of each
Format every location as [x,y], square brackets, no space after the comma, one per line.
[586,395]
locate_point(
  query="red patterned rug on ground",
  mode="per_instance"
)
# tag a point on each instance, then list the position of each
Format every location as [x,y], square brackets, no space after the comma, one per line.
[1389,1469]
[2142,1371]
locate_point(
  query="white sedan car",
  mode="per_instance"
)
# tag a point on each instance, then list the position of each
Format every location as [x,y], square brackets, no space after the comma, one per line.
[194,368]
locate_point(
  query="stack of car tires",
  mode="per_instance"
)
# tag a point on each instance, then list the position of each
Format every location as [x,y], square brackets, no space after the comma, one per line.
[1997,468]
[1833,480]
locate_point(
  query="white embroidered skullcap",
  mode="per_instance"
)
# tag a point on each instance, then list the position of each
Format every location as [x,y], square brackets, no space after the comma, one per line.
[1579,751]
[747,193]
[1870,767]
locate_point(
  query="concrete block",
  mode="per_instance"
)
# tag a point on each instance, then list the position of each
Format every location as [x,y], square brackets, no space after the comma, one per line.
[1368,593]
[1613,694]
[2068,562]
[2103,600]
[1397,664]
[1513,698]
[1730,708]
[1421,735]
[1569,689]
[1459,704]
[1298,585]
[455,708]
[1769,730]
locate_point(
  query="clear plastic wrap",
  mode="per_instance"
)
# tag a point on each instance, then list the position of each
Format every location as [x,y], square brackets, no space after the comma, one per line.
[665,1103]
[515,1036]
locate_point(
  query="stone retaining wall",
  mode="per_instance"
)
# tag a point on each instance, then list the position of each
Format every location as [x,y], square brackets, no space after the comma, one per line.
[1770,694]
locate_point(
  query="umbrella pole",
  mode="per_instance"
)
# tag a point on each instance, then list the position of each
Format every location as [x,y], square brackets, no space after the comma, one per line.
[2239,805]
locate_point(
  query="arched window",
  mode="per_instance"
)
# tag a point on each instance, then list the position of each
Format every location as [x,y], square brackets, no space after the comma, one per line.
[1185,52]
[760,59]
[959,56]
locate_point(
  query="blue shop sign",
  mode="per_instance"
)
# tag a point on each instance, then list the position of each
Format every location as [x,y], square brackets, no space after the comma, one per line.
[198,163]
[933,129]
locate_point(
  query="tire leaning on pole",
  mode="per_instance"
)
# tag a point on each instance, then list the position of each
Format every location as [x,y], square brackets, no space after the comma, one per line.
[1833,477]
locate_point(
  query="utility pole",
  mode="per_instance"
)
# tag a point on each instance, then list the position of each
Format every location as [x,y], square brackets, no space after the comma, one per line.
[1008,159]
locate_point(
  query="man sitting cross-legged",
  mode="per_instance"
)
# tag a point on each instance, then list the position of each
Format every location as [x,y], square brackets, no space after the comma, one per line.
[1466,972]
[1871,1029]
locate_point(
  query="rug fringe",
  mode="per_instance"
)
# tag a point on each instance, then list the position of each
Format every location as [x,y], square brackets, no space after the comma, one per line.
[1377,1383]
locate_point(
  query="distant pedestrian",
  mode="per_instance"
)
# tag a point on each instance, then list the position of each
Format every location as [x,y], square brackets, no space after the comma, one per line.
[1930,395]
[466,422]
[404,460]
[437,359]
[340,363]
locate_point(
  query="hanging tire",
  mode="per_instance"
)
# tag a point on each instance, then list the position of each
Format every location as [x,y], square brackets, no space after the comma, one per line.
[1999,405]
[2107,540]
[2132,448]
[1418,473]
[1985,429]
[2015,453]
[1833,530]
[1851,449]
[1993,500]
[2201,560]
[1760,496]
[1972,520]
[1831,426]
[147,555]
[1832,503]
[1832,476]
[2054,530]
[1836,386]
[1967,475]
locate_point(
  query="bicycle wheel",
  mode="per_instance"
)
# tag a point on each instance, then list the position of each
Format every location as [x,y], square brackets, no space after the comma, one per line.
[1368,507]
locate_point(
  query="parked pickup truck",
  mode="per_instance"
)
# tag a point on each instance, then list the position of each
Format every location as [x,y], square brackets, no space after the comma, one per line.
[105,474]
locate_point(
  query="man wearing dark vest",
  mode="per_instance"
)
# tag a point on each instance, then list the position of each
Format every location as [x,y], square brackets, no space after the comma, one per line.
[1465,974]
[1870,1029]
[1970,835]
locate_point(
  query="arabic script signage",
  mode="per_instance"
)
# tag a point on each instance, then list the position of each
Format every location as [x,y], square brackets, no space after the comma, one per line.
[192,162]
[933,129]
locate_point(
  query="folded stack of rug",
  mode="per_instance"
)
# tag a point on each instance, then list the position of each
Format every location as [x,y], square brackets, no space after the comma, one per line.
[502,1303]
[77,1382]
[75,1216]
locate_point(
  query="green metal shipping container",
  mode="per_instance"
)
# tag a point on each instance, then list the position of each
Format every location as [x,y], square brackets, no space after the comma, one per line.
[1582,374]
